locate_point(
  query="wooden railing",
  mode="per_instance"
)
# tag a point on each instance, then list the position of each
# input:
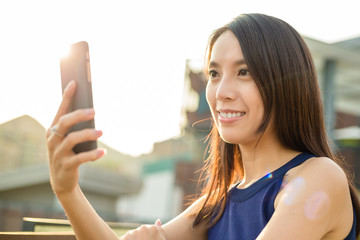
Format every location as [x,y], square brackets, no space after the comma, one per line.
[59,229]
[37,236]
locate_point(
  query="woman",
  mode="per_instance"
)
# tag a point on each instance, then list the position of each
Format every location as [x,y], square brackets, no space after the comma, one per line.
[271,173]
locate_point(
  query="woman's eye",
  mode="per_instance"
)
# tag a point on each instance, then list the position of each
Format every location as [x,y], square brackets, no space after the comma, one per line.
[213,73]
[244,72]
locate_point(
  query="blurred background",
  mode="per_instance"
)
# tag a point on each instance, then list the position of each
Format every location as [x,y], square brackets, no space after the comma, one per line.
[146,64]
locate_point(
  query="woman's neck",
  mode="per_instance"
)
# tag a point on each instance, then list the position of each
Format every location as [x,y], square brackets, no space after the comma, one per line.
[263,157]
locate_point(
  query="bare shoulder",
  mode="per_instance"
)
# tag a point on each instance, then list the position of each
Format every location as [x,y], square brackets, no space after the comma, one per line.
[315,202]
[327,194]
[318,172]
[324,173]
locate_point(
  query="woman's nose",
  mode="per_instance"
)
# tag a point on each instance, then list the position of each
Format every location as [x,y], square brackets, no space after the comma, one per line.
[226,90]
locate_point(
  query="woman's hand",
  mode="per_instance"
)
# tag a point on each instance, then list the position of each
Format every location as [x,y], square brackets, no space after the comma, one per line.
[64,163]
[149,232]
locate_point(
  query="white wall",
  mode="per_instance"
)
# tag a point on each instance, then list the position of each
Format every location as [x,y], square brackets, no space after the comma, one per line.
[158,198]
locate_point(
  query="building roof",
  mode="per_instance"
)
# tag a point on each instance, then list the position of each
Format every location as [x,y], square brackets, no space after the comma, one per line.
[346,55]
[353,44]
[95,180]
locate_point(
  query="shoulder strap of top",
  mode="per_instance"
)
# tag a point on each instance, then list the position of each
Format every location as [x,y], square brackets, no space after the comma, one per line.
[296,161]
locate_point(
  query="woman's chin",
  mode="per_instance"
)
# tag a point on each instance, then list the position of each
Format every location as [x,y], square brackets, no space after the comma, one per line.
[231,139]
[238,139]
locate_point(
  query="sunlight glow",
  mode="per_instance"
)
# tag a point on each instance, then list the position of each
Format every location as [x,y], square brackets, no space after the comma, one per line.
[63,50]
[138,54]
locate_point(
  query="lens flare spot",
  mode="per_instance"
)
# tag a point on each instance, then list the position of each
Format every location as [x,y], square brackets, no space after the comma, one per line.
[269,175]
[292,190]
[317,205]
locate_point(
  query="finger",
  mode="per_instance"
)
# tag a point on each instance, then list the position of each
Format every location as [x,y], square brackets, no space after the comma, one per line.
[83,157]
[151,231]
[161,231]
[70,119]
[58,149]
[77,137]
[158,223]
[65,122]
[128,235]
[66,101]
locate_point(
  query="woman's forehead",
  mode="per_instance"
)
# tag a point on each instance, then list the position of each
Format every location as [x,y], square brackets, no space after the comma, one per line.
[226,48]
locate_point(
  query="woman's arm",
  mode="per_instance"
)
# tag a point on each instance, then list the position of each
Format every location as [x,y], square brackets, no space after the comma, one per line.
[315,204]
[64,164]
[85,222]
[64,174]
[180,228]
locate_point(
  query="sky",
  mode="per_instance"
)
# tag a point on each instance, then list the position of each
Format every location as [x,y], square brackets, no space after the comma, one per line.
[138,51]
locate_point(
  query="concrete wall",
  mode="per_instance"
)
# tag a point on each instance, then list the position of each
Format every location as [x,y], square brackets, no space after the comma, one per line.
[158,198]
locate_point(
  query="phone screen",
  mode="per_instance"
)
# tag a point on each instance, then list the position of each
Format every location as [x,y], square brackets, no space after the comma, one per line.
[76,66]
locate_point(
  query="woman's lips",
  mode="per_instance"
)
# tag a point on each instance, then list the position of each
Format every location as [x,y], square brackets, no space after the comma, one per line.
[230,116]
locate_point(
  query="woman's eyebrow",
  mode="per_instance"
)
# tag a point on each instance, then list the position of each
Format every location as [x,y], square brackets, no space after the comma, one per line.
[240,62]
[213,64]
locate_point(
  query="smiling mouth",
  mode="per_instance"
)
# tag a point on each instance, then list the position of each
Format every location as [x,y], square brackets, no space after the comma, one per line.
[231,115]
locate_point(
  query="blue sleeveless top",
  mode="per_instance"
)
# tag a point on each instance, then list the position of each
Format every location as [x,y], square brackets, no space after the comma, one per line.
[248,210]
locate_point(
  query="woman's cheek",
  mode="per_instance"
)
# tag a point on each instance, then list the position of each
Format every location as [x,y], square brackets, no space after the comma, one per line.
[211,97]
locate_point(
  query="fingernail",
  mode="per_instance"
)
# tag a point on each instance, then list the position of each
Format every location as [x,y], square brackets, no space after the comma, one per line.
[158,223]
[101,152]
[90,111]
[99,133]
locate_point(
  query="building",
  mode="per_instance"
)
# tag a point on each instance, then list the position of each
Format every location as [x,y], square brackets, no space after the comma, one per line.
[25,189]
[338,68]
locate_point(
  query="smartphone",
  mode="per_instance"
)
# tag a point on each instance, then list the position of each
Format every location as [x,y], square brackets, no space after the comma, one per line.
[76,66]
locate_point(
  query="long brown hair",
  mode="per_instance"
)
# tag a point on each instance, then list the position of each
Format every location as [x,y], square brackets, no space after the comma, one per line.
[282,67]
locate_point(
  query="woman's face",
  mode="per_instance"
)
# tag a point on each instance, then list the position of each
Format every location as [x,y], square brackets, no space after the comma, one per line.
[234,99]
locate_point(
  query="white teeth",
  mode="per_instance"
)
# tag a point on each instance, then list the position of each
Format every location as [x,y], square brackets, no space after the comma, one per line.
[231,115]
